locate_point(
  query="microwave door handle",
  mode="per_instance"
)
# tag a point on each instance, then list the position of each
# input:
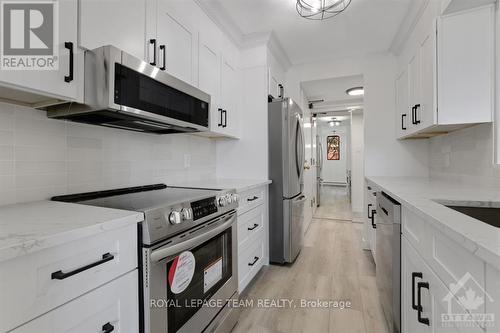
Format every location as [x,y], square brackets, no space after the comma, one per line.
[170,250]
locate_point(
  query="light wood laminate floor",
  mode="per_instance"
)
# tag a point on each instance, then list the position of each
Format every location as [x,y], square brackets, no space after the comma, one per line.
[330,267]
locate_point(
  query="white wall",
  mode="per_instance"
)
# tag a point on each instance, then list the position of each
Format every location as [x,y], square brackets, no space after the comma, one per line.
[384,155]
[41,157]
[357,161]
[465,156]
[335,171]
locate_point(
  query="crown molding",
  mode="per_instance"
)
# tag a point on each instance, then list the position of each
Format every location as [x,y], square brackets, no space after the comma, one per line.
[408,25]
[244,41]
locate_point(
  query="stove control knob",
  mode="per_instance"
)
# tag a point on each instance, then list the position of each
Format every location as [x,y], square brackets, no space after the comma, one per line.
[186,214]
[222,202]
[229,198]
[174,217]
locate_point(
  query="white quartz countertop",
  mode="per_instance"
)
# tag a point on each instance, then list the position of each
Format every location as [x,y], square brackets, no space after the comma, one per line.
[224,183]
[34,226]
[419,195]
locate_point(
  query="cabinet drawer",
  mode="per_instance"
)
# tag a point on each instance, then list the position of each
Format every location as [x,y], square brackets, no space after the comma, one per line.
[39,282]
[112,306]
[251,199]
[250,224]
[413,227]
[250,261]
[450,261]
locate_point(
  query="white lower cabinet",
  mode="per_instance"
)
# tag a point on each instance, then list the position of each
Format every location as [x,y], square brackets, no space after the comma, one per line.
[110,308]
[370,230]
[427,304]
[253,235]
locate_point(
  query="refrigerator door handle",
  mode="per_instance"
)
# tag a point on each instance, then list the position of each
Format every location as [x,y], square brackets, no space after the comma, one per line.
[297,152]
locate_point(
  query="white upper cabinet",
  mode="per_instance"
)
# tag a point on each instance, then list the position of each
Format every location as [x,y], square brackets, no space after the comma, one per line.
[230,90]
[450,75]
[43,87]
[120,23]
[403,120]
[466,66]
[177,38]
[182,40]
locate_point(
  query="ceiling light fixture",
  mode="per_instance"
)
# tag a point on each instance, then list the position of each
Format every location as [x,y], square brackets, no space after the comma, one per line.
[321,9]
[356,91]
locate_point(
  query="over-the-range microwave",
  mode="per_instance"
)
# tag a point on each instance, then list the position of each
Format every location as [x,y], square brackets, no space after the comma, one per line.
[122,91]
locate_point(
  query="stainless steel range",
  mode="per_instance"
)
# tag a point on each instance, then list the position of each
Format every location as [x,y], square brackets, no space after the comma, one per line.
[188,255]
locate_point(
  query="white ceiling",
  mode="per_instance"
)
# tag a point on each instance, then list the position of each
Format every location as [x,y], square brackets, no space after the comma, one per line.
[367,26]
[333,89]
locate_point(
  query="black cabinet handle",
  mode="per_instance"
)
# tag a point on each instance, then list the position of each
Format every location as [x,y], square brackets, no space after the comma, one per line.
[107,328]
[281,91]
[413,121]
[420,319]
[219,124]
[252,199]
[374,226]
[417,121]
[255,259]
[414,275]
[69,46]
[59,275]
[225,119]
[162,48]
[369,205]
[255,225]
[403,116]
[153,41]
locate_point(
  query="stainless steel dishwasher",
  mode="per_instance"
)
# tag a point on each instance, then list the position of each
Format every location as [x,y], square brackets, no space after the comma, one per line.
[388,259]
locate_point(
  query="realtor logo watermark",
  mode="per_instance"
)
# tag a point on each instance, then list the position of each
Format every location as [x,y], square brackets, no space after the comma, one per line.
[467,294]
[29,35]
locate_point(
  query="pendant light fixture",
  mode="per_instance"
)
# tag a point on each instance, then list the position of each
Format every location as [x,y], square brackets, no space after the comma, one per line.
[321,9]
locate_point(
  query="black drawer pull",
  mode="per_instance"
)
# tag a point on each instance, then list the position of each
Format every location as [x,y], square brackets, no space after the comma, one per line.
[221,118]
[374,225]
[420,319]
[252,199]
[225,119]
[69,46]
[403,116]
[107,328]
[255,259]
[255,225]
[369,205]
[414,275]
[153,42]
[59,275]
[162,48]
[417,121]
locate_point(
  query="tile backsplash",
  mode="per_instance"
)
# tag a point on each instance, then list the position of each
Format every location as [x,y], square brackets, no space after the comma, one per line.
[465,156]
[41,157]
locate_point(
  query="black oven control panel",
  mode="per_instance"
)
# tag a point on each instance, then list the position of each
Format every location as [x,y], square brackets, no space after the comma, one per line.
[203,208]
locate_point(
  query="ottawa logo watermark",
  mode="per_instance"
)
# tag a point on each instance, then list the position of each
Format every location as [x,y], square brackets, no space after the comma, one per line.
[466,303]
[29,35]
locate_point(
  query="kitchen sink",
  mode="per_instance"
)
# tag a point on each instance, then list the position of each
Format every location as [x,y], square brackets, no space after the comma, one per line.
[487,212]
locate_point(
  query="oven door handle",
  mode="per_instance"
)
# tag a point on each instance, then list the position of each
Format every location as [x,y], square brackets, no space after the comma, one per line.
[170,250]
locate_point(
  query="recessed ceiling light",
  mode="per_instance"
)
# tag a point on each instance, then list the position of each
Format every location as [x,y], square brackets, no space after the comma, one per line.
[356,91]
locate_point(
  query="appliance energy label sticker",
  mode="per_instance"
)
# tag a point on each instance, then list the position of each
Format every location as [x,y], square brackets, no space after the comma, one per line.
[212,275]
[181,272]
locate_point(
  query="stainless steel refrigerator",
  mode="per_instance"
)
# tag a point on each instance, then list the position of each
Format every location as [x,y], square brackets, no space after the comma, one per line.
[286,170]
[319,168]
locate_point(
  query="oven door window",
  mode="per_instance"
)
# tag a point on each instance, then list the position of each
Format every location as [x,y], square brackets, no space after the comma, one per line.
[213,267]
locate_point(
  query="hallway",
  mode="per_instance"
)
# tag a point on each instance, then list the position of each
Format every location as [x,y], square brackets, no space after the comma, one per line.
[331,267]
